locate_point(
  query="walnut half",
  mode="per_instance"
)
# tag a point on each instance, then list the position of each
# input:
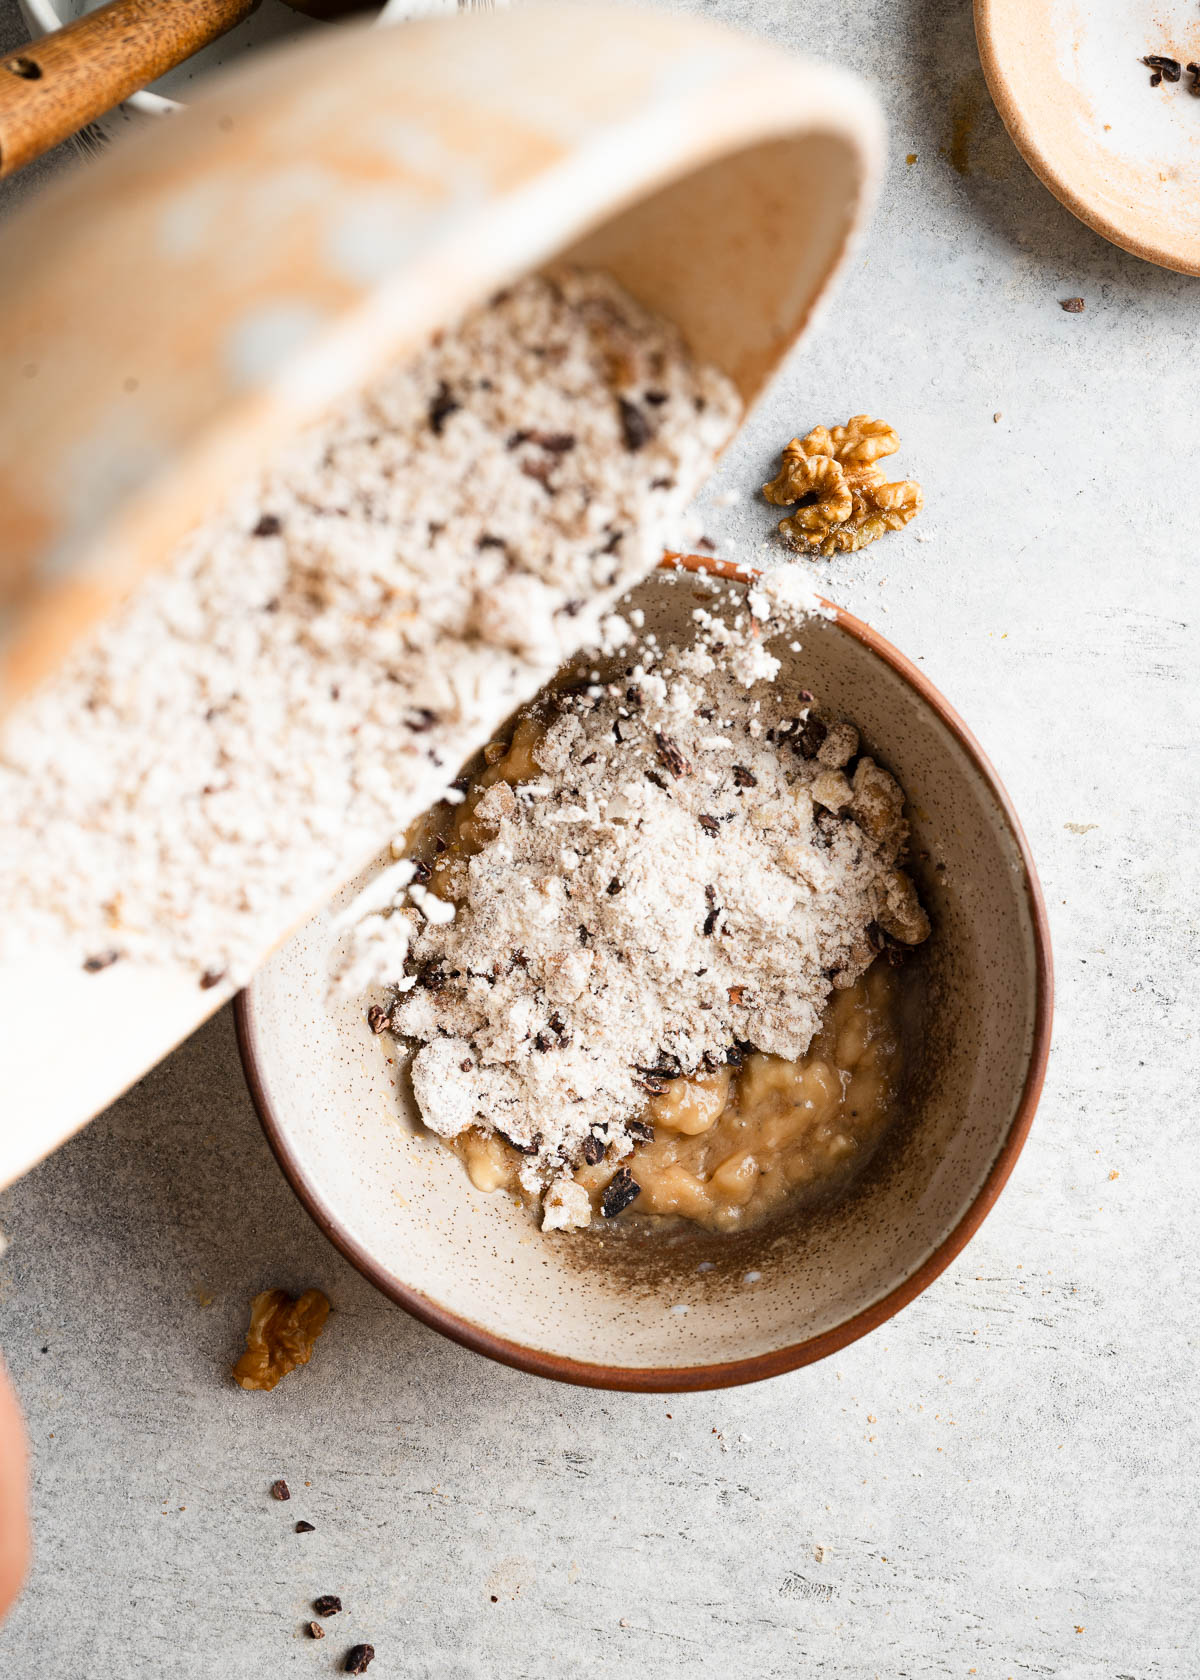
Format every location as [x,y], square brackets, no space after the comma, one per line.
[846,502]
[281,1336]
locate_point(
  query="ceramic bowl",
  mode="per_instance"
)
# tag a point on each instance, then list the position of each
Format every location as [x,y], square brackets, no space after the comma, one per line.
[700,1311]
[317,212]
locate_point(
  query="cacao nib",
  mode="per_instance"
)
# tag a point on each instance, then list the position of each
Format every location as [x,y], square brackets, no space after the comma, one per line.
[441,408]
[669,755]
[622,1189]
[635,428]
[812,734]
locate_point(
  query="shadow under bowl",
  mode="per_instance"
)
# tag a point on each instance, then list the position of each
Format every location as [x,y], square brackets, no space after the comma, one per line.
[688,1311]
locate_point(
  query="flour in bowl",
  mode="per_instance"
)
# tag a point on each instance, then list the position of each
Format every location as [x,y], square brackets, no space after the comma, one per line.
[662,872]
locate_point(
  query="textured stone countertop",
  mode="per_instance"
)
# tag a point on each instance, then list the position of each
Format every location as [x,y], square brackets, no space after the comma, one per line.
[1002,1481]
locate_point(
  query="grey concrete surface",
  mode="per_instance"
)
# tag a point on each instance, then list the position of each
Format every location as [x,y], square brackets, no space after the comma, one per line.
[1000,1482]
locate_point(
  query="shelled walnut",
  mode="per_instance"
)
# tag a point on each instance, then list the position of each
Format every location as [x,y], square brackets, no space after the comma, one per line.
[281,1336]
[845,501]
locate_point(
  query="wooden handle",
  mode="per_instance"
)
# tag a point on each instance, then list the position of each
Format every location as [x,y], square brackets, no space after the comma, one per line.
[57,84]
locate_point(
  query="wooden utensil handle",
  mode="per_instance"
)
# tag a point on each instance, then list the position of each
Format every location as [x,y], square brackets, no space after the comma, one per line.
[54,86]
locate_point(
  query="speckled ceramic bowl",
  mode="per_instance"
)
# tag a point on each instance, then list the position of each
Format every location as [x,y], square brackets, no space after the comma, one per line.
[701,1311]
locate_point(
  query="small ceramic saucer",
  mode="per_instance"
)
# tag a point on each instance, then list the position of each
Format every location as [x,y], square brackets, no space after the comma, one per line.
[1122,154]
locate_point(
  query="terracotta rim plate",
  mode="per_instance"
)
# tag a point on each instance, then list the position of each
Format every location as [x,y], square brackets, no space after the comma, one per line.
[776,1361]
[1120,154]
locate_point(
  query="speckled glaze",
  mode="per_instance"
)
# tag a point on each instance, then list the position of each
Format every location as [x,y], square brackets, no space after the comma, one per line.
[1122,156]
[698,1311]
[313,214]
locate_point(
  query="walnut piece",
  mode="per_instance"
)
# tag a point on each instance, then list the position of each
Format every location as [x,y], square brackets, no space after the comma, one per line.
[846,501]
[878,805]
[281,1336]
[900,912]
[816,479]
[838,747]
[832,790]
[566,1206]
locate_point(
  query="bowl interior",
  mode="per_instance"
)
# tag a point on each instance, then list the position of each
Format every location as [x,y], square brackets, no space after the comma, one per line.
[693,1310]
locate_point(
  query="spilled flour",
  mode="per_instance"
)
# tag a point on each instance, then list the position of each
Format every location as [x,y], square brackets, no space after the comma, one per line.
[661,871]
[317,660]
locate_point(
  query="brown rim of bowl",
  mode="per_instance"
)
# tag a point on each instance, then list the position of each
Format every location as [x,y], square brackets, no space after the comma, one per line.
[1022,137]
[671,1379]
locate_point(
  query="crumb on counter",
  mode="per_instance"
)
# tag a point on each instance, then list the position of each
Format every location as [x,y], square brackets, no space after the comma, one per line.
[280,1337]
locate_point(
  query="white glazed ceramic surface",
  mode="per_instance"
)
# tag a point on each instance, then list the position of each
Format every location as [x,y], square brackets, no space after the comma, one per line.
[623,1313]
[1121,155]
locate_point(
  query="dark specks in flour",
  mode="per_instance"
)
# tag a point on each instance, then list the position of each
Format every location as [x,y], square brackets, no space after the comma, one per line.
[666,921]
[295,685]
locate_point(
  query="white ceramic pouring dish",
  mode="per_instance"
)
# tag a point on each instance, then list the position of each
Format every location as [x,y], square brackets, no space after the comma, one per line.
[204,290]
